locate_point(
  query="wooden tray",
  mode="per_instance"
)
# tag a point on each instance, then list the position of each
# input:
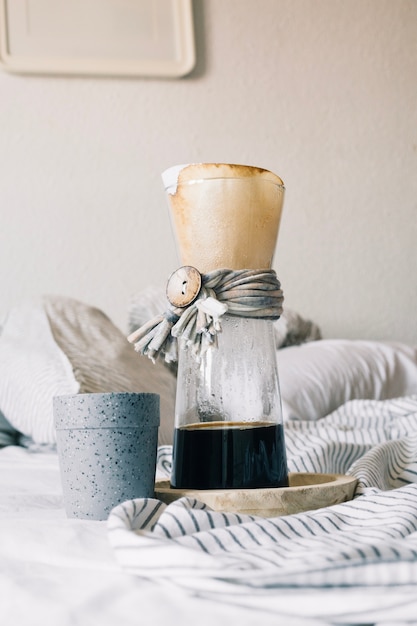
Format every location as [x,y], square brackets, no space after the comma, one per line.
[307,491]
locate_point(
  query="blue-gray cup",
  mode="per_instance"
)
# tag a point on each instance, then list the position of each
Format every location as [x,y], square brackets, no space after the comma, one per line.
[107,447]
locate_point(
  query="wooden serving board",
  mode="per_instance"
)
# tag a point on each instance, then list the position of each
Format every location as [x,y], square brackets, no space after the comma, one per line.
[306,491]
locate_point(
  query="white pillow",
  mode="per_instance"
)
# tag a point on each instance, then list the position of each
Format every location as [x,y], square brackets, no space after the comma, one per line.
[32,370]
[62,346]
[318,377]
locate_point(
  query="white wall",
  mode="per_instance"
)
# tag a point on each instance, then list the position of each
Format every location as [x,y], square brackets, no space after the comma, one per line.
[323,92]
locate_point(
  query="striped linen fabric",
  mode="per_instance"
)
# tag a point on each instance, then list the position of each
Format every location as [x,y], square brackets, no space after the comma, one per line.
[354,562]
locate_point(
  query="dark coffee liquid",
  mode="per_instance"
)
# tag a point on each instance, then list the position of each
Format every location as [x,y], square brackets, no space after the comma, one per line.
[228,455]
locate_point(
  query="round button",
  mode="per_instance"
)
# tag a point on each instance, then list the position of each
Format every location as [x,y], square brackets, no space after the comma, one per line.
[183,286]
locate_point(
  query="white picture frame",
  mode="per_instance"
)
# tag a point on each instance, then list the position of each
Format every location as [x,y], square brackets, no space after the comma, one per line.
[129,38]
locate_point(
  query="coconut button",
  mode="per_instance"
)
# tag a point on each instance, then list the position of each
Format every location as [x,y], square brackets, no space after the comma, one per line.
[183,286]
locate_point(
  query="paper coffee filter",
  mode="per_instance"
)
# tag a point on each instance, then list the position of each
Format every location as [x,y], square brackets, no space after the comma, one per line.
[224,215]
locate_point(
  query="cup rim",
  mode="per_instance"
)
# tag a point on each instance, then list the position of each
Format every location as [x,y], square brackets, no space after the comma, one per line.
[96,410]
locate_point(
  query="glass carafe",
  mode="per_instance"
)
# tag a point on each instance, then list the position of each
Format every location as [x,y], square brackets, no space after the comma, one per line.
[228,420]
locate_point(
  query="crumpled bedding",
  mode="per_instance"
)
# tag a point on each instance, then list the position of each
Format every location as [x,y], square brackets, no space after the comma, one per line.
[361,554]
[353,563]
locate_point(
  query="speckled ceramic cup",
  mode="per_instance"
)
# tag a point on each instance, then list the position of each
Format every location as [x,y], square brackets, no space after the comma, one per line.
[107,445]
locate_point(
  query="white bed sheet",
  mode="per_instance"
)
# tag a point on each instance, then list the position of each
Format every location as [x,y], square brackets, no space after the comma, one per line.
[63,572]
[55,570]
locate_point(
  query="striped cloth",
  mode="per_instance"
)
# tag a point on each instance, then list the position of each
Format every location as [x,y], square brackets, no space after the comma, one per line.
[354,562]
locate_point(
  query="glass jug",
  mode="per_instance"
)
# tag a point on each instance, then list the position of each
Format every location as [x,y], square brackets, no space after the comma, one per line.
[228,421]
